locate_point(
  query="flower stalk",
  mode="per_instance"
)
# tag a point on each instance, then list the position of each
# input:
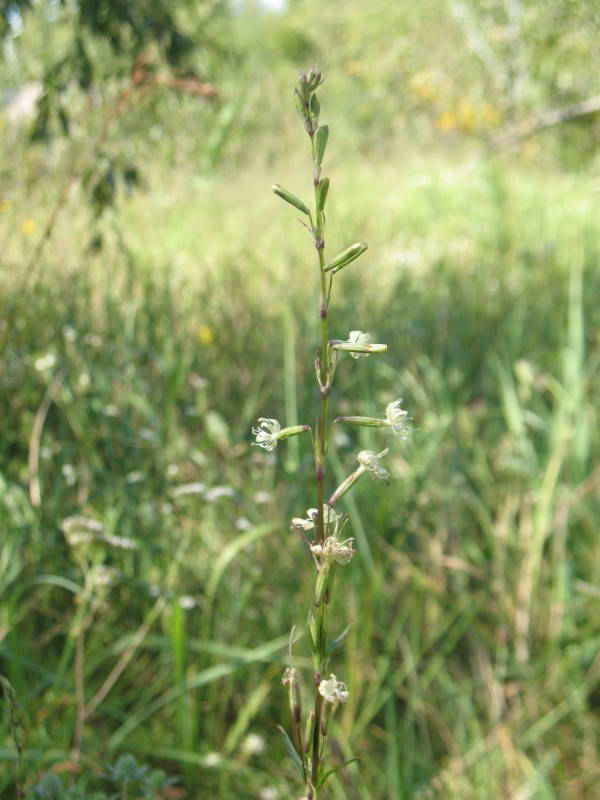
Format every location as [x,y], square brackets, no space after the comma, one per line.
[322,528]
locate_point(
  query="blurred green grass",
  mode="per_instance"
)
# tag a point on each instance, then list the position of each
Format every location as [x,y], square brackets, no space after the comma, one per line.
[472,656]
[131,376]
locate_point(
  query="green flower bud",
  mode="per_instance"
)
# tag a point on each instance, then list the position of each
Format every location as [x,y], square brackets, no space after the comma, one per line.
[300,105]
[368,422]
[315,107]
[308,733]
[291,198]
[322,191]
[313,632]
[322,582]
[346,257]
[314,79]
[321,138]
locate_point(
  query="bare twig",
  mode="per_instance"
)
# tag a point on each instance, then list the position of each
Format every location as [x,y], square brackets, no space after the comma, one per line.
[549,118]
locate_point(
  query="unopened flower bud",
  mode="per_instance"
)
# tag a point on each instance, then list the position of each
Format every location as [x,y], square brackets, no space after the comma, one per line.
[322,191]
[321,138]
[368,422]
[315,107]
[291,198]
[301,105]
[308,733]
[346,257]
[314,79]
[322,582]
[313,632]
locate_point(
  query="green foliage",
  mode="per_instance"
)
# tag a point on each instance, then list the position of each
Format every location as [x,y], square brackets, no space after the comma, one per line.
[130,780]
[475,619]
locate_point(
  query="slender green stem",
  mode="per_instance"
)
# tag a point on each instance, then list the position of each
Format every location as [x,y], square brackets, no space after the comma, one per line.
[321,451]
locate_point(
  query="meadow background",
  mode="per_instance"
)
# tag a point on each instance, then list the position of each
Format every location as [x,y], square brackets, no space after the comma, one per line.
[155,298]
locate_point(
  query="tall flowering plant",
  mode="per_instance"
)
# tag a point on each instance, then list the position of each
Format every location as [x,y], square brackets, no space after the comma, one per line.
[323,528]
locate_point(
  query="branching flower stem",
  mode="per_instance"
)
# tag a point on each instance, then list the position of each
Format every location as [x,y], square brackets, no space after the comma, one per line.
[328,547]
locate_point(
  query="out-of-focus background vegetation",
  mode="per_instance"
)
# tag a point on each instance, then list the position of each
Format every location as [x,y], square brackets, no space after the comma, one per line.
[155,299]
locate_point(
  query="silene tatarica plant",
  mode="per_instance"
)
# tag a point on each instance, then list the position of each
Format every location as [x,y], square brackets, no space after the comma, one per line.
[323,528]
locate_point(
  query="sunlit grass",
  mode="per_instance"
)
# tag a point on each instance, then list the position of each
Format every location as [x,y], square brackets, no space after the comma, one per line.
[473,656]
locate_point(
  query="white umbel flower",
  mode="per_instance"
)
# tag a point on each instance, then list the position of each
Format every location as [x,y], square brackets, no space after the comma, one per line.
[370,461]
[333,691]
[334,550]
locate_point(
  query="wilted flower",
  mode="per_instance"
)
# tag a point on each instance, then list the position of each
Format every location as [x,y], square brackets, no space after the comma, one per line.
[334,550]
[396,419]
[370,461]
[269,432]
[292,681]
[333,691]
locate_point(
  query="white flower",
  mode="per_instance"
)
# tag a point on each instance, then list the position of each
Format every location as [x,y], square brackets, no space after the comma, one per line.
[370,461]
[330,518]
[333,691]
[253,744]
[361,338]
[217,492]
[358,344]
[267,433]
[397,419]
[189,488]
[334,550]
[45,362]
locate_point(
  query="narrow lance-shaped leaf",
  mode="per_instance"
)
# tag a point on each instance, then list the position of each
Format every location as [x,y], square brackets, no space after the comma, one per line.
[333,770]
[338,640]
[346,257]
[291,198]
[292,751]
